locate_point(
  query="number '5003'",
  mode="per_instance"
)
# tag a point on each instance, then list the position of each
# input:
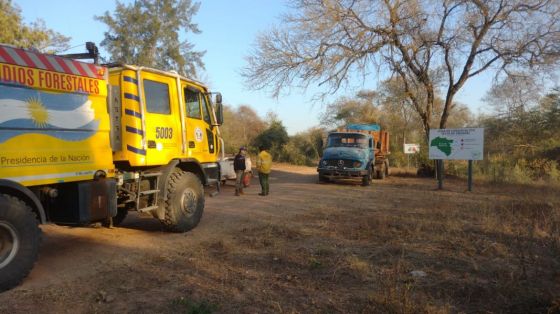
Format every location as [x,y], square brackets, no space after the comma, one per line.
[162,132]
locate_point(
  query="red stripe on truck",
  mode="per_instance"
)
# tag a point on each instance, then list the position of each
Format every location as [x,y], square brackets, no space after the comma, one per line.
[46,62]
[69,66]
[23,55]
[6,56]
[78,66]
[63,65]
[96,70]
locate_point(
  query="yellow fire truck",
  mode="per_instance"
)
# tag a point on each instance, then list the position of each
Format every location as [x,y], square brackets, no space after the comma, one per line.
[83,143]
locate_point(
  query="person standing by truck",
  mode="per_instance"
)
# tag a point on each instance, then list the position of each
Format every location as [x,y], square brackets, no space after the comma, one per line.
[264,164]
[239,167]
[248,172]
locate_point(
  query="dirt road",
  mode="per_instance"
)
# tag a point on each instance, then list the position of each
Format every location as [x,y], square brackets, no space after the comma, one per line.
[311,247]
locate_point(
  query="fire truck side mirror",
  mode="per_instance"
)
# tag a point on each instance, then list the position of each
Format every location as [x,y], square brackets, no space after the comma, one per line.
[219,109]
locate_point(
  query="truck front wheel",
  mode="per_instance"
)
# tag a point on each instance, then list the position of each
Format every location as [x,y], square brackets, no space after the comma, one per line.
[20,237]
[185,201]
[366,180]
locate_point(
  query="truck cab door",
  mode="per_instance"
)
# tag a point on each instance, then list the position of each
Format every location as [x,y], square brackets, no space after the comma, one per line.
[195,126]
[208,117]
[201,134]
[163,132]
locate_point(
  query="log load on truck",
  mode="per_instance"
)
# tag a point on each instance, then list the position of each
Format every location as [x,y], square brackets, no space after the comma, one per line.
[356,151]
[82,143]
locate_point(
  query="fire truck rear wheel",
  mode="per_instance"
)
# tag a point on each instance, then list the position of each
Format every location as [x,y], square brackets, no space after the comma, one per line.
[185,201]
[20,238]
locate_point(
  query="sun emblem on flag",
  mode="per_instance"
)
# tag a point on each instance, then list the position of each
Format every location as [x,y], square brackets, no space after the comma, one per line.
[37,112]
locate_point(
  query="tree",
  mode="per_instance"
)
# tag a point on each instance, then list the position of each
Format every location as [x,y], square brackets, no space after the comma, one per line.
[517,121]
[35,35]
[147,33]
[513,95]
[550,106]
[345,110]
[523,144]
[273,138]
[241,127]
[427,44]
[533,129]
[399,113]
[304,148]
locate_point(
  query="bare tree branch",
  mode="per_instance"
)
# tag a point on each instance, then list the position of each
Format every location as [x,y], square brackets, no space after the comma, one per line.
[426,44]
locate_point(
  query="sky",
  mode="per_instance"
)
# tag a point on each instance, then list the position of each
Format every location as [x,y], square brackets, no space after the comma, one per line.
[229,29]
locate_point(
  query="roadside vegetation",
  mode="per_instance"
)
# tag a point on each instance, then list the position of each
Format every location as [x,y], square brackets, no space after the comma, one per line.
[522,133]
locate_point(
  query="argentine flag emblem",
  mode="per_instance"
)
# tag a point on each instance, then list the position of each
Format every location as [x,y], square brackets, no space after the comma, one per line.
[68,117]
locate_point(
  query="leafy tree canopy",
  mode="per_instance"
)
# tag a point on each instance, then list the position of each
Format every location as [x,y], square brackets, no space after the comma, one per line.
[273,138]
[148,33]
[35,35]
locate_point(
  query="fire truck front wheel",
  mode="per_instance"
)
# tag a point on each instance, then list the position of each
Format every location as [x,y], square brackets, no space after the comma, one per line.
[20,237]
[185,201]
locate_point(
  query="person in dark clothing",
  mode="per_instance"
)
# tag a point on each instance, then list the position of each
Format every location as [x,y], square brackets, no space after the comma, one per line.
[239,167]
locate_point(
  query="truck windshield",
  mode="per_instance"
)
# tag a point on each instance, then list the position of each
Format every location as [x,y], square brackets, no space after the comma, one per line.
[347,140]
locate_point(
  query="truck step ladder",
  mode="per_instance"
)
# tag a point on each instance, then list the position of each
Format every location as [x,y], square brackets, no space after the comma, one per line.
[152,193]
[147,209]
[149,192]
[151,174]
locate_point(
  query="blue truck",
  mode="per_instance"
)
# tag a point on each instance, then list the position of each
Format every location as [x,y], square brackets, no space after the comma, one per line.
[356,151]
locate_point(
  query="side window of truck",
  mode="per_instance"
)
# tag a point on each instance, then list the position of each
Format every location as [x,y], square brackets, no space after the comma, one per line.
[157,97]
[205,110]
[192,104]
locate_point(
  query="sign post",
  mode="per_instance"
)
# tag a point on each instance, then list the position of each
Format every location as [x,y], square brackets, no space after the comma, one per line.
[470,176]
[410,149]
[456,144]
[439,173]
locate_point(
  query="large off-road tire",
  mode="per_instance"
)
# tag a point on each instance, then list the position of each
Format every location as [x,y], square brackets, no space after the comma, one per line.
[185,201]
[323,179]
[20,238]
[366,180]
[382,172]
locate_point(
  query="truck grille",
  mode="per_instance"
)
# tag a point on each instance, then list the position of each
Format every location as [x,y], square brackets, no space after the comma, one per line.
[339,163]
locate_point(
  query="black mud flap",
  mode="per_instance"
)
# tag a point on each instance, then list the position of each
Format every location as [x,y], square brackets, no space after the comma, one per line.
[84,202]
